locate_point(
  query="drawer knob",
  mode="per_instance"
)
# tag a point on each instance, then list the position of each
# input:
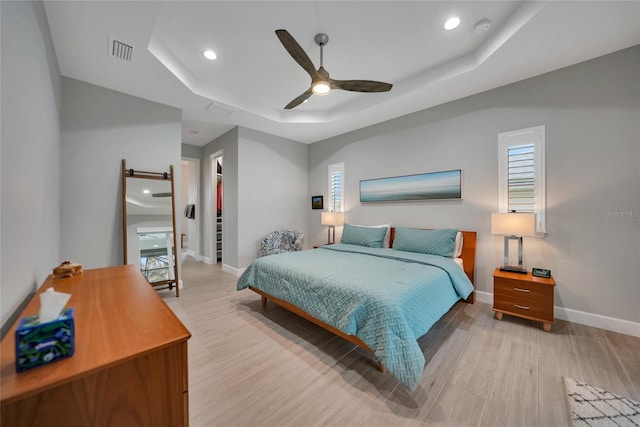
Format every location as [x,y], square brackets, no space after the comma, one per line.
[523,307]
[522,290]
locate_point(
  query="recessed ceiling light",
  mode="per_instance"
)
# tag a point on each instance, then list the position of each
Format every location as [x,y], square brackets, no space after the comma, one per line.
[209,54]
[452,23]
[145,191]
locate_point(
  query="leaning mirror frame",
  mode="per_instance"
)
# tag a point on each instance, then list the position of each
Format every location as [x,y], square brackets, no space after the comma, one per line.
[170,280]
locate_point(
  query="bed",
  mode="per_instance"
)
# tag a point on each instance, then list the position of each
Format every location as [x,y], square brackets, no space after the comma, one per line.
[382,299]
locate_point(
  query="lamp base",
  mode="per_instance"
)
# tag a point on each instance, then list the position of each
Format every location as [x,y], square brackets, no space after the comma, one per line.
[329,240]
[514,269]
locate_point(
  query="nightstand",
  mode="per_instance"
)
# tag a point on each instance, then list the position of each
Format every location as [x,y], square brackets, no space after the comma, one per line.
[523,295]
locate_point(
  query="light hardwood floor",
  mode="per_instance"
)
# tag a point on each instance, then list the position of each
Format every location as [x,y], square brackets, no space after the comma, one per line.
[256,366]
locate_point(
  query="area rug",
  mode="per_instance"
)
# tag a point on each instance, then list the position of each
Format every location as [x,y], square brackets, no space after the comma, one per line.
[591,406]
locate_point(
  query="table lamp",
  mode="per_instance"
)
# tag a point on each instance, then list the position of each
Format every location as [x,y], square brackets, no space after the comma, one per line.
[513,225]
[331,219]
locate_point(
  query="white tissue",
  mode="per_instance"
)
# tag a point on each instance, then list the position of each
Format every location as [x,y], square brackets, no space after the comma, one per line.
[51,305]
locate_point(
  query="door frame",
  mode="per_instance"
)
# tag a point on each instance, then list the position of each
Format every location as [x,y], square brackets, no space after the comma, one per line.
[210,207]
[197,254]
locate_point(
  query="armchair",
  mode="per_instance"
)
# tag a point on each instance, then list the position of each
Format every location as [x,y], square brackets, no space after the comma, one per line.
[281,241]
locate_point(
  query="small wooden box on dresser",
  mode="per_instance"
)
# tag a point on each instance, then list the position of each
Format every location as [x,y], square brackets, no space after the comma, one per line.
[523,295]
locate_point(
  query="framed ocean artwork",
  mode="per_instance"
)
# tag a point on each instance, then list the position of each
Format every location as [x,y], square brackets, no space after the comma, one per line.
[425,186]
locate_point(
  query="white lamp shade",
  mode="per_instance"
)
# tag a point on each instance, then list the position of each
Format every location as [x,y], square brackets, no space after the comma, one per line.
[513,224]
[332,218]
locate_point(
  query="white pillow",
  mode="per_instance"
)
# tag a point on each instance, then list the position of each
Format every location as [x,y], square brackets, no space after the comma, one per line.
[387,236]
[459,262]
[457,251]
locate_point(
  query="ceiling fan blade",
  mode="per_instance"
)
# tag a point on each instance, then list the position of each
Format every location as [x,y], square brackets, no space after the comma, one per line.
[296,51]
[361,85]
[299,100]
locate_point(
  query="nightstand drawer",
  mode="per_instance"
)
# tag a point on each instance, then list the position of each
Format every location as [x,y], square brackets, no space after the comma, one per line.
[525,307]
[514,289]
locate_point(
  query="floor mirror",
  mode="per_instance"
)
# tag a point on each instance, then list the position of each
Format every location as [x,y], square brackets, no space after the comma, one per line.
[149,225]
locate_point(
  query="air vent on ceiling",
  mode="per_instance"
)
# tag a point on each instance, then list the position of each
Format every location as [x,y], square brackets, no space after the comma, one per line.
[219,109]
[120,49]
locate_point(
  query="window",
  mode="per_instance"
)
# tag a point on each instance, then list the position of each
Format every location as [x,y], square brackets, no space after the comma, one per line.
[521,186]
[336,187]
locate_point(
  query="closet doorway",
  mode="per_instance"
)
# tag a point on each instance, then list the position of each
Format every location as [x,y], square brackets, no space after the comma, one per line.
[217,202]
[190,203]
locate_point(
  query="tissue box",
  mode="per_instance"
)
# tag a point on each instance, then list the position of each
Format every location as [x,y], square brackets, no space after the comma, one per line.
[41,343]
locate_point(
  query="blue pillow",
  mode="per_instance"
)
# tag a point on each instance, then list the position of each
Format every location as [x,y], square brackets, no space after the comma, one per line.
[363,236]
[433,242]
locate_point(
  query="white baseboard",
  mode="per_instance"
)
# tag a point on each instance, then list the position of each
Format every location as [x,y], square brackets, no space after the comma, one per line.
[582,317]
[207,260]
[191,253]
[235,271]
[484,297]
[598,321]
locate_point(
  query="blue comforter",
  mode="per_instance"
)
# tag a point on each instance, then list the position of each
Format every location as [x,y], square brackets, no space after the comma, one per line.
[387,298]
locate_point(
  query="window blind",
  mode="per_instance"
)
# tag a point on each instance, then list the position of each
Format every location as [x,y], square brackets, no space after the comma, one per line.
[336,189]
[521,178]
[521,173]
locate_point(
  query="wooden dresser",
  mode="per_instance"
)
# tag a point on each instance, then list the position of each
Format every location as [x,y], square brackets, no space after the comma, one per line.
[129,366]
[523,295]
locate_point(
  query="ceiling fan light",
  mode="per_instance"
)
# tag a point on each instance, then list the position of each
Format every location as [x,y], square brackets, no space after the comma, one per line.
[321,88]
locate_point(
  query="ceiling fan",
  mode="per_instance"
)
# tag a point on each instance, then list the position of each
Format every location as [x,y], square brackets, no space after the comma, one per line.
[321,83]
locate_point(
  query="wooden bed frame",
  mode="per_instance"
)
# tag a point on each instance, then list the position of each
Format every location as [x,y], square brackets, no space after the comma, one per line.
[468,259]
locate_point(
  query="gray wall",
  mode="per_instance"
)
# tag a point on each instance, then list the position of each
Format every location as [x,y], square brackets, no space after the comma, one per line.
[100,127]
[228,143]
[191,151]
[272,189]
[30,153]
[592,116]
[265,181]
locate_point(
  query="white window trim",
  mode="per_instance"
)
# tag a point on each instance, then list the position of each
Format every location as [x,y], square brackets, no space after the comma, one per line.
[535,135]
[336,167]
